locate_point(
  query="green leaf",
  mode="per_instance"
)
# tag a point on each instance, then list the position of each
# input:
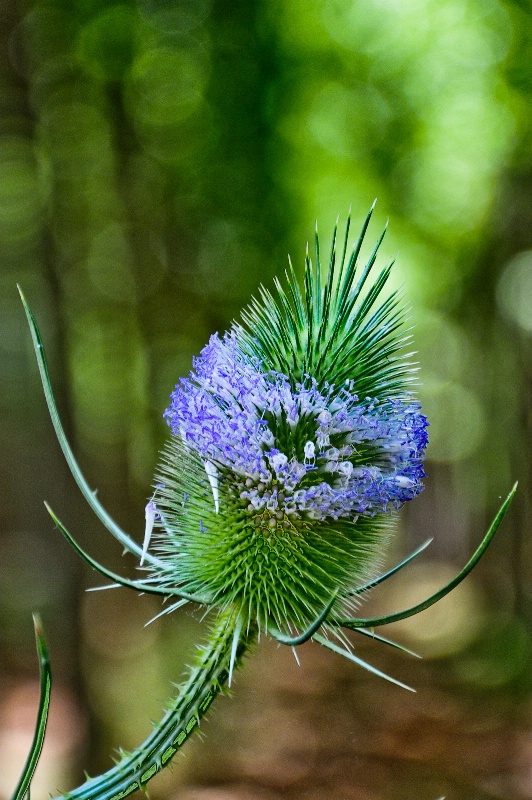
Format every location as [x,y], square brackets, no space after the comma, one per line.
[42,714]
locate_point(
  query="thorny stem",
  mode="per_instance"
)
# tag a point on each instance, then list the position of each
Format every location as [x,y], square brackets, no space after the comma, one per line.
[206,678]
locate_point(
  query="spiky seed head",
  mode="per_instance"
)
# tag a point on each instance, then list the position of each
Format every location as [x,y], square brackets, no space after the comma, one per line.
[295,439]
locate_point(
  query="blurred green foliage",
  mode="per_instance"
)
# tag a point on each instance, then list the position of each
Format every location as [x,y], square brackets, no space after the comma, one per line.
[160,158]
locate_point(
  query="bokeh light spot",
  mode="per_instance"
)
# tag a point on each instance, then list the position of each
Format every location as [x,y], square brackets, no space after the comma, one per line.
[514,290]
[20,204]
[108,264]
[108,42]
[166,85]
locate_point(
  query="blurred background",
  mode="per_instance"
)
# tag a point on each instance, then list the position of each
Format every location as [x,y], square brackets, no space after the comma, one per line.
[158,161]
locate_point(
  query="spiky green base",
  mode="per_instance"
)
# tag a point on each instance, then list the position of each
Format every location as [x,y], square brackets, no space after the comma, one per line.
[207,678]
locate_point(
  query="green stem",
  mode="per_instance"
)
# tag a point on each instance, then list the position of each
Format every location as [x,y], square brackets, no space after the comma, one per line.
[206,678]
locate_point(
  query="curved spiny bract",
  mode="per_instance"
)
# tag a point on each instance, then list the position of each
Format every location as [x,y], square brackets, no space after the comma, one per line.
[137,585]
[388,574]
[23,787]
[342,651]
[373,622]
[90,496]
[295,641]
[206,679]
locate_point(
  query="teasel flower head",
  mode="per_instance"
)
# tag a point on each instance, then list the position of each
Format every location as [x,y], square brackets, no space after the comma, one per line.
[295,441]
[296,438]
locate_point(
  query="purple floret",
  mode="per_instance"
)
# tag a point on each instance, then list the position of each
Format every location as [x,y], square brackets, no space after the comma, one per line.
[298,451]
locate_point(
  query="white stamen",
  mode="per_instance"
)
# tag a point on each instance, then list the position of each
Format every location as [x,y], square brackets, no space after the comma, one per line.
[404,482]
[212,474]
[346,468]
[150,511]
[309,451]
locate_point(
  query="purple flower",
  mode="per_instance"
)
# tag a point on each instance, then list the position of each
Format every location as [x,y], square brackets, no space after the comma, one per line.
[297,452]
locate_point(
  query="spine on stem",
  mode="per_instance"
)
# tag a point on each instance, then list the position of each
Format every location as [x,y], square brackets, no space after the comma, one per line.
[206,678]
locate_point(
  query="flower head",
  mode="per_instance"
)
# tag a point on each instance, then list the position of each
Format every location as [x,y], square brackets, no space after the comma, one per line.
[303,438]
